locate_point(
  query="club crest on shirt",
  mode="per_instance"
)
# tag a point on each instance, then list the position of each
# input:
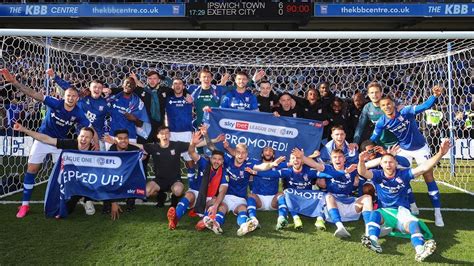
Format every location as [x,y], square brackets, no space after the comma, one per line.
[399,180]
[242,173]
[305,177]
[73,118]
[101,108]
[173,152]
[158,153]
[401,118]
[246,99]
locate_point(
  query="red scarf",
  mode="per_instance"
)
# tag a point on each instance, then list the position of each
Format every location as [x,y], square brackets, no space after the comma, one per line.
[214,183]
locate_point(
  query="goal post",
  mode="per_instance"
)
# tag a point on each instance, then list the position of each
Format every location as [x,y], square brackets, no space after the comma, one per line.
[406,64]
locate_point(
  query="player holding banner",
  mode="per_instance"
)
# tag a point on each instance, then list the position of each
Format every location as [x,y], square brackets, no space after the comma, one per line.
[391,185]
[412,143]
[60,117]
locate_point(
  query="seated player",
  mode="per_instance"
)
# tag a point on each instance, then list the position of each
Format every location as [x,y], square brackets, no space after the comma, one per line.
[391,185]
[211,172]
[375,153]
[235,200]
[299,177]
[264,193]
[340,204]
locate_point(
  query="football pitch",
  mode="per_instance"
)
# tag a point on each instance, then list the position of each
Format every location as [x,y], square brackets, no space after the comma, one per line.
[142,237]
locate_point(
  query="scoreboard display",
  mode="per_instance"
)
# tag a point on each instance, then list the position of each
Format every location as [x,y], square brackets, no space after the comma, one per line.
[249,10]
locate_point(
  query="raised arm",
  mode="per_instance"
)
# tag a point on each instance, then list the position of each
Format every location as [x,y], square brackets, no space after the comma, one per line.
[430,163]
[268,166]
[308,161]
[26,90]
[437,91]
[59,81]
[192,146]
[36,135]
[229,149]
[137,81]
[361,169]
[206,141]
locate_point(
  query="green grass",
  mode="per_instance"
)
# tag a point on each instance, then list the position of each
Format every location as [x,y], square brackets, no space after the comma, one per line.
[142,237]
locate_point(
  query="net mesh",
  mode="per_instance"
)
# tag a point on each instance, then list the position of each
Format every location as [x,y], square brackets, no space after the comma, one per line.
[406,69]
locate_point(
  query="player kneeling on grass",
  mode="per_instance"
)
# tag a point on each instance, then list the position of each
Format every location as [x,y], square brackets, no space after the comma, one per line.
[82,143]
[391,185]
[340,180]
[210,185]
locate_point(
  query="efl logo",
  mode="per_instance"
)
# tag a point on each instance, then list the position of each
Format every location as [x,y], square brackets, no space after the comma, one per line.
[243,126]
[89,160]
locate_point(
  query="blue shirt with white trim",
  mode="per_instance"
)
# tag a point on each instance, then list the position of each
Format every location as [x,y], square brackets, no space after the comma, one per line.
[58,121]
[179,114]
[404,126]
[238,177]
[392,192]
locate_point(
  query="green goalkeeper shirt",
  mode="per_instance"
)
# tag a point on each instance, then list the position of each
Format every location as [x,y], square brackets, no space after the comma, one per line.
[372,113]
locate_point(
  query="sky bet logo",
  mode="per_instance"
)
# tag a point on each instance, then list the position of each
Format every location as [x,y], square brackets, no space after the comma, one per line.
[241,125]
[136,191]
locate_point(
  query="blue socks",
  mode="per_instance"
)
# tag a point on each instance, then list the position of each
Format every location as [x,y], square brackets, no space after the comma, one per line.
[374,225]
[433,193]
[335,215]
[241,217]
[28,184]
[416,235]
[282,208]
[182,207]
[252,207]
[220,218]
[366,216]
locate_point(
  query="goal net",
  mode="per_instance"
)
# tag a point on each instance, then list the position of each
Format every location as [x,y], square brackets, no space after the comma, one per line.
[406,64]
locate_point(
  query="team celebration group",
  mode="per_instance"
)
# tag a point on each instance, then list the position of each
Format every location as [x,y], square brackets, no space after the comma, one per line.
[363,166]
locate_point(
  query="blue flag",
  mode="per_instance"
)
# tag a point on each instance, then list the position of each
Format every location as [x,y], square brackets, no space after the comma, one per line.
[259,130]
[305,202]
[97,175]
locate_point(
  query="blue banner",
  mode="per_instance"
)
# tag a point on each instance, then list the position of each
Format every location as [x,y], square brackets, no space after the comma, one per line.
[259,130]
[97,175]
[394,10]
[305,202]
[92,10]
